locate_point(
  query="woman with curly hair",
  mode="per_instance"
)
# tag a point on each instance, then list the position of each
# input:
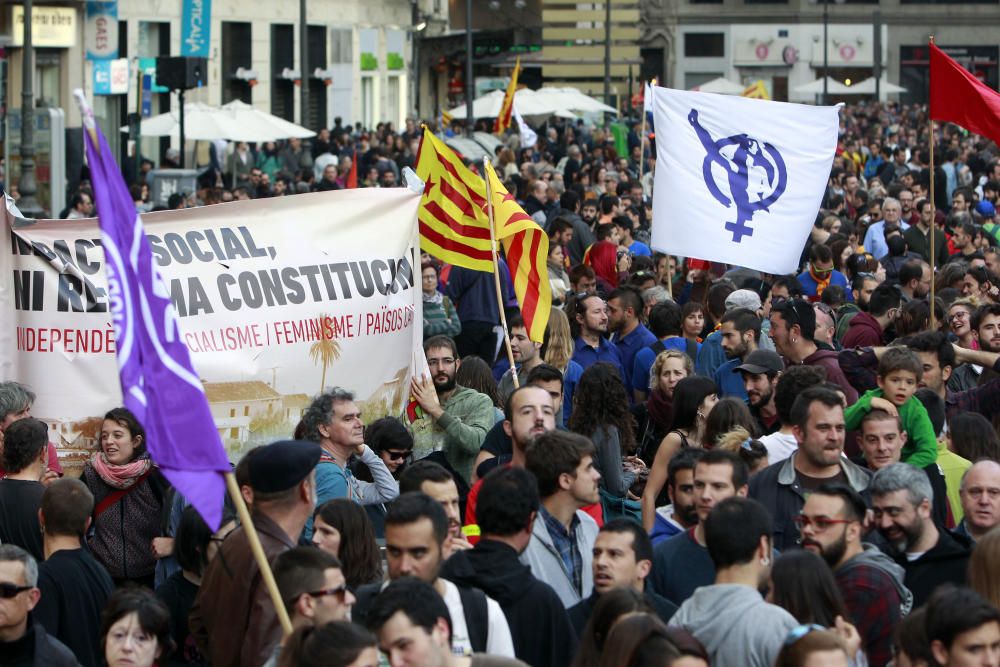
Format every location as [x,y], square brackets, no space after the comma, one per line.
[600,412]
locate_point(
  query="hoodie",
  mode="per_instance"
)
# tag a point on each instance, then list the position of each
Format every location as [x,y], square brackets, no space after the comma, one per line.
[863,331]
[876,598]
[946,562]
[539,623]
[735,625]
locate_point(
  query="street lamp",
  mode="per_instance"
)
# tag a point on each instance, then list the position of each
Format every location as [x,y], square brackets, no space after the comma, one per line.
[28,184]
[826,45]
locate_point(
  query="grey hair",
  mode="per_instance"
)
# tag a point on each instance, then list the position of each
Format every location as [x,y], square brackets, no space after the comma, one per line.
[892,200]
[14,397]
[656,294]
[10,553]
[903,477]
[320,411]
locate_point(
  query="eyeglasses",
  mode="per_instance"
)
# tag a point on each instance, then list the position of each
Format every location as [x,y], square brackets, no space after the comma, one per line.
[12,590]
[340,592]
[821,523]
[437,363]
[801,631]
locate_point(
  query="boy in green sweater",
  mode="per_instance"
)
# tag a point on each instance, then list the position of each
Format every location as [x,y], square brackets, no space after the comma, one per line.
[899,372]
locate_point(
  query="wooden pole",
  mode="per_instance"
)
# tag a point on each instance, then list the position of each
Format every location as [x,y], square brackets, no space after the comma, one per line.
[496,272]
[642,137]
[931,239]
[258,553]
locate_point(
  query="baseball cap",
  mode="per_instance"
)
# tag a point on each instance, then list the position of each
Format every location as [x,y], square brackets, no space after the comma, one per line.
[986,209]
[761,361]
[743,298]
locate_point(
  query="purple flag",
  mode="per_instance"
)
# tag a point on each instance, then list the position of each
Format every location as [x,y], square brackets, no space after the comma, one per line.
[158,382]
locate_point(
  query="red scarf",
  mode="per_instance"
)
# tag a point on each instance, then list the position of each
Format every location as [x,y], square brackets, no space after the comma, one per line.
[120,476]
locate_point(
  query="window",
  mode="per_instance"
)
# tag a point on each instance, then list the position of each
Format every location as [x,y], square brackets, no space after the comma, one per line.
[368,118]
[282,90]
[232,412]
[316,118]
[246,410]
[235,54]
[704,45]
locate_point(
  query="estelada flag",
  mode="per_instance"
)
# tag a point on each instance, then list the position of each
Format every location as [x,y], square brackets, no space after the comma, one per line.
[452,217]
[957,96]
[502,121]
[527,249]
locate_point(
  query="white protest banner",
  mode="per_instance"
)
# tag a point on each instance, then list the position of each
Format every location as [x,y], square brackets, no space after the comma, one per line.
[739,180]
[275,298]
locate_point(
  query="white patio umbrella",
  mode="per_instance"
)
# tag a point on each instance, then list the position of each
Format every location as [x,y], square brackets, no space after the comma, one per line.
[721,85]
[246,117]
[488,106]
[573,100]
[235,121]
[867,87]
[833,87]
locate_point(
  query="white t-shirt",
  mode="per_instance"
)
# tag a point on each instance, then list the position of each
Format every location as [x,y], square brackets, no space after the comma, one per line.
[498,639]
[779,446]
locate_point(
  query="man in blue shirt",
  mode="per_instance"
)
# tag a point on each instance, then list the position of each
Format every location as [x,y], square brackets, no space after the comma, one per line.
[591,346]
[740,334]
[821,274]
[892,212]
[628,333]
[637,248]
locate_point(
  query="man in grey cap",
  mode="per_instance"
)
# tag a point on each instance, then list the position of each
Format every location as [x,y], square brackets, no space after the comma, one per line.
[760,371]
[233,619]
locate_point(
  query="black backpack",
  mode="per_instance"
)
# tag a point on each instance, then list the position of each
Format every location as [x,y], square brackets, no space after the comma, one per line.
[691,349]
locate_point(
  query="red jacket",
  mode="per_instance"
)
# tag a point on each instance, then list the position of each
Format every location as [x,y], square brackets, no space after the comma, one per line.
[863,331]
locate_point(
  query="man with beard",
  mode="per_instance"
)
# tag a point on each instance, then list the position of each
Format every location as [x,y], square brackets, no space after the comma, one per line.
[455,418]
[588,213]
[434,480]
[986,324]
[901,502]
[562,538]
[527,355]
[628,332]
[529,413]
[682,512]
[793,381]
[861,289]
[623,558]
[760,371]
[917,237]
[682,563]
[832,525]
[818,418]
[590,346]
[793,325]
[914,279]
[740,331]
[868,329]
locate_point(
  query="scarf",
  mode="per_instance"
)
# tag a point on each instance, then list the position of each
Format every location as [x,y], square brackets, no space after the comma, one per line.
[821,283]
[435,299]
[120,476]
[660,408]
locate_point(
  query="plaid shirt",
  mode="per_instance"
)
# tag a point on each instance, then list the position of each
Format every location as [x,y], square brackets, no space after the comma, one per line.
[565,543]
[874,606]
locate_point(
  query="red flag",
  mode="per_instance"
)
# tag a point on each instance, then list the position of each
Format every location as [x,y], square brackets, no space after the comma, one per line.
[352,175]
[959,97]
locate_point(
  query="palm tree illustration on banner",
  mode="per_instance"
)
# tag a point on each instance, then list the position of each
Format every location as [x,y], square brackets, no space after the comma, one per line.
[324,351]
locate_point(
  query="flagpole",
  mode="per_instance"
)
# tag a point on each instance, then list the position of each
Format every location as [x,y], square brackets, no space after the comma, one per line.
[642,138]
[258,553]
[496,273]
[930,125]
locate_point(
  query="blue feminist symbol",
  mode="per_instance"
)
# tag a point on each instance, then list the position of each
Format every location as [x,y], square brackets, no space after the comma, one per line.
[756,173]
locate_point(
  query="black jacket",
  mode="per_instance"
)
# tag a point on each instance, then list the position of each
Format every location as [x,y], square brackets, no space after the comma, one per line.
[539,624]
[581,612]
[36,648]
[947,562]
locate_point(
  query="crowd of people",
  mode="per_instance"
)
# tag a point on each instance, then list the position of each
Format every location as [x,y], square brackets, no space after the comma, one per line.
[700,464]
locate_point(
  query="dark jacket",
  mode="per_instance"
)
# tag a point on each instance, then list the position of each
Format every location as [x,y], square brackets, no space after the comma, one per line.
[777,488]
[581,612]
[863,331]
[38,648]
[946,562]
[120,537]
[233,620]
[539,624]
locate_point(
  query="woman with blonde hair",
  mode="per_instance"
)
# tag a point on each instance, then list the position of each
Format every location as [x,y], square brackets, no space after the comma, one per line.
[984,576]
[557,350]
[752,451]
[653,416]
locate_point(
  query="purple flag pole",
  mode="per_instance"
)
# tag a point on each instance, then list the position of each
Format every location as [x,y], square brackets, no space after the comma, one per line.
[159,384]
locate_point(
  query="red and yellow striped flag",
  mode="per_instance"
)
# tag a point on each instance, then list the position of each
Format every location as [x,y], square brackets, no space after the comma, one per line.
[503,118]
[527,249]
[454,226]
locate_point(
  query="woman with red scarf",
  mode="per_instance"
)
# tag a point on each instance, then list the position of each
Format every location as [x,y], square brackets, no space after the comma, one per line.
[608,265]
[129,500]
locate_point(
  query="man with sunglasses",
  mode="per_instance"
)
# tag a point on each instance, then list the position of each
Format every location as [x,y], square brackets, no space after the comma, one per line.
[20,636]
[312,585]
[821,274]
[831,525]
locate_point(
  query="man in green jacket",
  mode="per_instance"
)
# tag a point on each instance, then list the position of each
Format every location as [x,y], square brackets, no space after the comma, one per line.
[455,419]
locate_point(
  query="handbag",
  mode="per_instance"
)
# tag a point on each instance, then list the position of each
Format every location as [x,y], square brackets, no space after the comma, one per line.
[618,507]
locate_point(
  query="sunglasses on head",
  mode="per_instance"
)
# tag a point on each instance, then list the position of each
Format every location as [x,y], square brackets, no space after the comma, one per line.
[12,590]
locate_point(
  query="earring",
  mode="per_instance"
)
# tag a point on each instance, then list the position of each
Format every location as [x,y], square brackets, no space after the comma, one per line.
[765,561]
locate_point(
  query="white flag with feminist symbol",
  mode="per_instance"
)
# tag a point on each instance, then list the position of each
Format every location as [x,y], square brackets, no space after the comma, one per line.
[739,180]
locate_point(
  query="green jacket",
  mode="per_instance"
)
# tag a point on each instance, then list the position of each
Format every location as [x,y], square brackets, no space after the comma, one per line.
[920,449]
[844,316]
[952,467]
[441,319]
[458,432]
